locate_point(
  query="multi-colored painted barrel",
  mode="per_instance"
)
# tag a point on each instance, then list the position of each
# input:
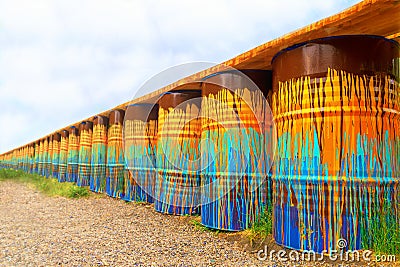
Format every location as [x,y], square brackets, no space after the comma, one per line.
[21,158]
[85,153]
[63,159]
[177,188]
[45,156]
[115,156]
[99,155]
[336,107]
[49,159]
[31,158]
[140,137]
[236,135]
[73,155]
[56,154]
[36,158]
[40,157]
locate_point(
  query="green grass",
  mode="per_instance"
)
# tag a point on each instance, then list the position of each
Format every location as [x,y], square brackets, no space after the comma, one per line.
[48,186]
[383,232]
[262,227]
[197,224]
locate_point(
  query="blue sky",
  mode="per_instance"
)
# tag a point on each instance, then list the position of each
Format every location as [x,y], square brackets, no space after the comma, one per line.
[62,61]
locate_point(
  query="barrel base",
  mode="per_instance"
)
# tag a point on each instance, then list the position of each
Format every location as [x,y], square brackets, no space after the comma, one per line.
[303,220]
[175,210]
[230,218]
[177,193]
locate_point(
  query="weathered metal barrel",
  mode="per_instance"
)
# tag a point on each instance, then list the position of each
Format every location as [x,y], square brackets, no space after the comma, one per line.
[99,149]
[177,189]
[63,159]
[49,159]
[22,152]
[45,156]
[140,140]
[40,157]
[336,106]
[116,172]
[26,158]
[56,154]
[31,158]
[73,155]
[85,153]
[36,158]
[235,136]
[25,163]
[21,158]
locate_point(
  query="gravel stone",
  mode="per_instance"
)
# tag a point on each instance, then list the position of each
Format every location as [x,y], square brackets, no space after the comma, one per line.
[37,230]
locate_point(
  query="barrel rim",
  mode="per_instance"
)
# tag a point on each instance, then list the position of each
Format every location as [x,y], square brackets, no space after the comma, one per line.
[232,71]
[141,104]
[298,45]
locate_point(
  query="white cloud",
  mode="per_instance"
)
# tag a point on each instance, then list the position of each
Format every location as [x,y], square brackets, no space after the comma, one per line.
[62,61]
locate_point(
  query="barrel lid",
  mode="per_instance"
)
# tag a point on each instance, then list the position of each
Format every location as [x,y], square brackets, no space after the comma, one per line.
[251,79]
[56,137]
[64,133]
[86,125]
[116,116]
[175,98]
[100,120]
[73,130]
[142,111]
[358,54]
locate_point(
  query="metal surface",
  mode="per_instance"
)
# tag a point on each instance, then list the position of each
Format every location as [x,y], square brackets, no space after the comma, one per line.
[97,181]
[140,137]
[56,155]
[234,144]
[177,189]
[73,154]
[63,159]
[337,118]
[85,153]
[116,173]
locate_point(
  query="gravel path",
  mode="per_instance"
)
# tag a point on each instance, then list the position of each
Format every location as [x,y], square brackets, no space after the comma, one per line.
[36,230]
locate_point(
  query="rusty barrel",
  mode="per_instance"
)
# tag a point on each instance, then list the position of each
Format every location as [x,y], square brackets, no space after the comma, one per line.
[45,156]
[23,155]
[63,158]
[115,156]
[36,158]
[177,185]
[27,158]
[49,160]
[85,153]
[40,157]
[73,154]
[97,181]
[140,141]
[336,111]
[56,154]
[21,158]
[235,138]
[31,158]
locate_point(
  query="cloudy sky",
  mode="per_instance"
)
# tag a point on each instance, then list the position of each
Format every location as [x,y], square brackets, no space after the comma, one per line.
[65,60]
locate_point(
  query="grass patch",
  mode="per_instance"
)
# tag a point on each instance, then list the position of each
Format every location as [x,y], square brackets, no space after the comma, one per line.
[381,231]
[262,227]
[197,224]
[48,186]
